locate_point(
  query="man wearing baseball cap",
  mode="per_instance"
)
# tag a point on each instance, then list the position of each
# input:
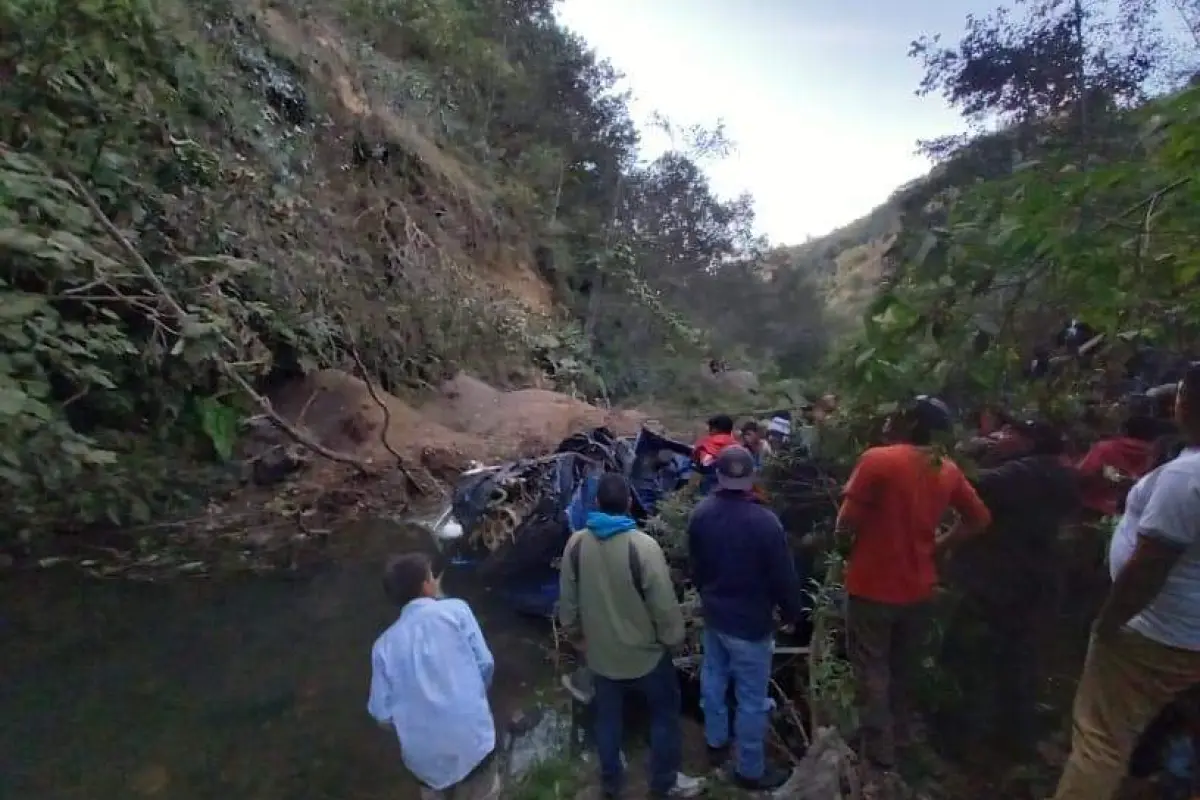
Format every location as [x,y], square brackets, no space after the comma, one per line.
[743,569]
[891,508]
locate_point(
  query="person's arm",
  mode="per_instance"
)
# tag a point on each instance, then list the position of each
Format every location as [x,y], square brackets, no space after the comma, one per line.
[379,702]
[1169,524]
[697,563]
[786,591]
[661,601]
[1090,469]
[1092,463]
[859,497]
[973,515]
[478,645]
[568,590]
[997,487]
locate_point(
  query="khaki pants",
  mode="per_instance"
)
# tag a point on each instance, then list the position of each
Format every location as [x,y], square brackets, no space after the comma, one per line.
[884,643]
[482,784]
[1127,679]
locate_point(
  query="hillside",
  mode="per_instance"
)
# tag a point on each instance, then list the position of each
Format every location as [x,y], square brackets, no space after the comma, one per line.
[202,203]
[847,264]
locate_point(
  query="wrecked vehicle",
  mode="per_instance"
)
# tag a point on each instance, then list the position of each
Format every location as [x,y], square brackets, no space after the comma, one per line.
[511,521]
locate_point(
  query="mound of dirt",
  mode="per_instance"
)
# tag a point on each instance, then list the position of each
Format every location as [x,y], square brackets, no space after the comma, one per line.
[520,423]
[339,411]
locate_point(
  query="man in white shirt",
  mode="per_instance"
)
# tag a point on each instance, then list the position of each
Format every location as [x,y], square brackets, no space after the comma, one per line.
[430,673]
[1145,646]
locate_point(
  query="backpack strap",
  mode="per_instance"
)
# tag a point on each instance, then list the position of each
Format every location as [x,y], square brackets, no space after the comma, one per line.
[635,569]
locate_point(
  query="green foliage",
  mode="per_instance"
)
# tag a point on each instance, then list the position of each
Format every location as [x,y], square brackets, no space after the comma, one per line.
[669,525]
[656,268]
[87,354]
[112,404]
[219,422]
[832,690]
[201,133]
[1113,243]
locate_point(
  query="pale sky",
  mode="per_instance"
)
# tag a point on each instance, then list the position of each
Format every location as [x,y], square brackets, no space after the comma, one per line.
[816,94]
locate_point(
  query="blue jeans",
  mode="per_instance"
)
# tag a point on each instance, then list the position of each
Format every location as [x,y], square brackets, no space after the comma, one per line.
[748,665]
[660,688]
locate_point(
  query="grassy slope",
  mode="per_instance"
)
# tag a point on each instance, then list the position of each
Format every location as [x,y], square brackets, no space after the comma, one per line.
[848,263]
[225,130]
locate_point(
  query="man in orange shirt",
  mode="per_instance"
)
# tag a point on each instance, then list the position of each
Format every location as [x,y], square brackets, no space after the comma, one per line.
[704,454]
[891,508]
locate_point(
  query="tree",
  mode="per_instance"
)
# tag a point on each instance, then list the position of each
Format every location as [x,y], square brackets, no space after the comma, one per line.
[1052,60]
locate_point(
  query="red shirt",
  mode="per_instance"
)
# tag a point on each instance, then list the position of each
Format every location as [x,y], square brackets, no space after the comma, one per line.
[705,452]
[1133,457]
[895,500]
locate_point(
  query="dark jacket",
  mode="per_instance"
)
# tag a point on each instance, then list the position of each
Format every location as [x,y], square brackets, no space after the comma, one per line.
[1013,563]
[742,566]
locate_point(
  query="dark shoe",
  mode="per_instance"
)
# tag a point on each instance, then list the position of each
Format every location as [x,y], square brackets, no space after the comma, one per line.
[718,757]
[771,779]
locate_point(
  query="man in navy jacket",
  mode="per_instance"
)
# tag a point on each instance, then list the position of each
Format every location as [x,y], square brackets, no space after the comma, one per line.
[744,570]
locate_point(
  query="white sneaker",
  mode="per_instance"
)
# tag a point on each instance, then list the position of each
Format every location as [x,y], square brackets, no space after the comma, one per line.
[686,786]
[579,685]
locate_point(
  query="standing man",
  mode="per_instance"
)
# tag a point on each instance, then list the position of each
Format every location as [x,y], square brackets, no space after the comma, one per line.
[1113,465]
[779,429]
[753,441]
[430,673]
[1145,646]
[704,454]
[891,508]
[616,590]
[743,569]
[1007,576]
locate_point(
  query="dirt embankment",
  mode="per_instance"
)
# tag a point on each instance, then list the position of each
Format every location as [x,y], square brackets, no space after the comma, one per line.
[467,420]
[520,423]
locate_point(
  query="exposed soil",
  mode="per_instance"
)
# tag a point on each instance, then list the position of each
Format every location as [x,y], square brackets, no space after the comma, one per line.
[524,422]
[338,409]
[470,233]
[467,420]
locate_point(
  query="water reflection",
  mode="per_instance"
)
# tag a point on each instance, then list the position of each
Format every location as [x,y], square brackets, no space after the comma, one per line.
[197,690]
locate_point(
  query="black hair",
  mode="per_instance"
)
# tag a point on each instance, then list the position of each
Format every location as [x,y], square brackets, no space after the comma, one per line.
[1167,449]
[1191,379]
[721,423]
[751,427]
[405,576]
[927,418]
[1045,439]
[612,493]
[1142,427]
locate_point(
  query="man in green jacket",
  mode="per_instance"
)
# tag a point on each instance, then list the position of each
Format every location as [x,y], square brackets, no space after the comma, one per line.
[617,598]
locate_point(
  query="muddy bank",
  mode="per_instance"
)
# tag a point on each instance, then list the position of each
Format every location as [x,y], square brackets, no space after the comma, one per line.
[195,690]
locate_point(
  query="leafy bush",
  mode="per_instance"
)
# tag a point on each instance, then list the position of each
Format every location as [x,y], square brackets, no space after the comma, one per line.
[113,405]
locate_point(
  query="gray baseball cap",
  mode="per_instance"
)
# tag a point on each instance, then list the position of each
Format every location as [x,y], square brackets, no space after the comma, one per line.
[735,469]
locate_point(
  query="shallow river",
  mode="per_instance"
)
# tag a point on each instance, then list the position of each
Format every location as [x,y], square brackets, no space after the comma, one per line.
[195,689]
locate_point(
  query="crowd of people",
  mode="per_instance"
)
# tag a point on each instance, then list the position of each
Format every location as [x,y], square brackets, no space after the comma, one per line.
[1002,551]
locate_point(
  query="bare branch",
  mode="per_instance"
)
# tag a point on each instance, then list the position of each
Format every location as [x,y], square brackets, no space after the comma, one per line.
[226,368]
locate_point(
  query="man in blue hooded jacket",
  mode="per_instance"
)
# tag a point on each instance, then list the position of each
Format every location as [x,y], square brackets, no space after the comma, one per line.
[618,599]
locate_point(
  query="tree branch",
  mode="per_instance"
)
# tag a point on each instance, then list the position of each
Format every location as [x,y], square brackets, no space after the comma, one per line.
[226,368]
[387,421]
